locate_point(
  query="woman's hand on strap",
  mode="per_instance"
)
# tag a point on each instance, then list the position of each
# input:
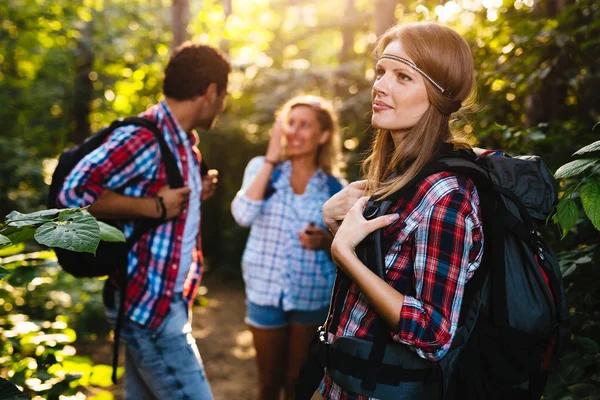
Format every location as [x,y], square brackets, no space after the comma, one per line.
[354,229]
[336,208]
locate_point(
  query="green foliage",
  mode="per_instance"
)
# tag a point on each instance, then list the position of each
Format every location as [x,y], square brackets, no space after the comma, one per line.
[72,229]
[576,377]
[36,346]
[44,312]
[586,188]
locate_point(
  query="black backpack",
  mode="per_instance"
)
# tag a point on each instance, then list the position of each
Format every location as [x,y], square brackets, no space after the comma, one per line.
[514,316]
[110,256]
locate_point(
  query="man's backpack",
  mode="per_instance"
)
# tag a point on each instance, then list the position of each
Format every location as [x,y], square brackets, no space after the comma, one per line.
[514,316]
[333,184]
[109,256]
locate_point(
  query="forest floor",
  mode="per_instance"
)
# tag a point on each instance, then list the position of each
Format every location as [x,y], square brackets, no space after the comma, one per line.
[224,341]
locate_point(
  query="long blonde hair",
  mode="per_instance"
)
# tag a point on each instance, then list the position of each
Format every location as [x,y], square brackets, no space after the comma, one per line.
[445,56]
[330,153]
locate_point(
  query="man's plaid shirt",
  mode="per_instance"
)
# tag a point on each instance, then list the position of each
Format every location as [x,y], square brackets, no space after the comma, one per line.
[438,245]
[129,162]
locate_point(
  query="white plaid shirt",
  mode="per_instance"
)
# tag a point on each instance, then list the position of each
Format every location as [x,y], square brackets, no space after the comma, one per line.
[276,268]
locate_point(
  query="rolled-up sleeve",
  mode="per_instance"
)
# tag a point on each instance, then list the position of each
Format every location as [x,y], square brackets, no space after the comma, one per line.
[444,246]
[244,209]
[122,158]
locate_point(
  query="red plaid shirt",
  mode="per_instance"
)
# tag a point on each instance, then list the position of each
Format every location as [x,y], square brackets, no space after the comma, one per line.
[437,246]
[129,162]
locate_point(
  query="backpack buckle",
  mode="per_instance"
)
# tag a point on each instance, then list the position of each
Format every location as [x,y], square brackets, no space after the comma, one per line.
[370,211]
[537,244]
[322,335]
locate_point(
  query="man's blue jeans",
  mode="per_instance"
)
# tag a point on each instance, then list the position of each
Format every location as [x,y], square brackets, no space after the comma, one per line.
[164,363]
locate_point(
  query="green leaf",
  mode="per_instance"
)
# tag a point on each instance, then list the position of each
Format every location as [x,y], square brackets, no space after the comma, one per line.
[589,345]
[590,198]
[3,273]
[109,233]
[589,148]
[4,241]
[75,230]
[582,390]
[567,213]
[575,167]
[16,219]
[12,250]
[20,234]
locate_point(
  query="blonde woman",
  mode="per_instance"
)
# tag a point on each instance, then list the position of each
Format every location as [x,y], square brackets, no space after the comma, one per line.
[287,268]
[424,72]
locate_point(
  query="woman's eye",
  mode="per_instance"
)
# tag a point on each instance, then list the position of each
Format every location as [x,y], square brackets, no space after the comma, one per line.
[404,77]
[379,73]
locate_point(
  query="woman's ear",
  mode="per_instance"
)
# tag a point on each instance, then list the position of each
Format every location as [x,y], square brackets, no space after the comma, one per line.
[324,137]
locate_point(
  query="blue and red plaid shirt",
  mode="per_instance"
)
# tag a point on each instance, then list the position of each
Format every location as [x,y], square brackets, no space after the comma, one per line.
[437,246]
[129,162]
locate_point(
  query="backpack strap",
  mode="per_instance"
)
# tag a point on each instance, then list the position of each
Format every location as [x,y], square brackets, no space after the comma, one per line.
[270,190]
[174,181]
[334,185]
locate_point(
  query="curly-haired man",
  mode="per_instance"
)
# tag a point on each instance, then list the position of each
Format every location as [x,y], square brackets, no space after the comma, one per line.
[123,179]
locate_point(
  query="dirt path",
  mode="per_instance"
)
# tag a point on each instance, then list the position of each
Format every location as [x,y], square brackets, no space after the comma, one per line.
[223,339]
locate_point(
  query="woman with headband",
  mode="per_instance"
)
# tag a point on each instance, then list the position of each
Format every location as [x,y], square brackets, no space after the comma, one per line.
[286,266]
[424,73]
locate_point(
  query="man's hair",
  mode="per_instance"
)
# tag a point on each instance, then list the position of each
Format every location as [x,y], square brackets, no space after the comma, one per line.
[193,67]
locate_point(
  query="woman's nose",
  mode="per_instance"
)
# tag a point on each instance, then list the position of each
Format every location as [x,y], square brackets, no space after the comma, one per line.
[382,85]
[291,130]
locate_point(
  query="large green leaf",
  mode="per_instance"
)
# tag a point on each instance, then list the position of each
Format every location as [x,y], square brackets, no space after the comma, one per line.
[567,213]
[589,148]
[3,273]
[575,167]
[590,198]
[16,219]
[75,230]
[4,241]
[109,233]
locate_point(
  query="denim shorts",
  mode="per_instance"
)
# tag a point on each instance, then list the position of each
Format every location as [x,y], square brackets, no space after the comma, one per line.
[270,317]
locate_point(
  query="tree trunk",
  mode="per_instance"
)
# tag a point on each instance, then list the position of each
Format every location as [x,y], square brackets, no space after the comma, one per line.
[181,18]
[347,34]
[384,15]
[83,89]
[227,10]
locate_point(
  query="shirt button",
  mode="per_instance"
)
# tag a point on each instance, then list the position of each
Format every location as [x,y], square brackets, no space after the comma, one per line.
[174,266]
[178,237]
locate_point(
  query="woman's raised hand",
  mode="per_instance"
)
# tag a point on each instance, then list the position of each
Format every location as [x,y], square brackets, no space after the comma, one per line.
[355,228]
[336,208]
[273,153]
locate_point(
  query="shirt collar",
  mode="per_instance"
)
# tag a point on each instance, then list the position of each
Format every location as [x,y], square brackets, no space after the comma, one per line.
[317,182]
[165,115]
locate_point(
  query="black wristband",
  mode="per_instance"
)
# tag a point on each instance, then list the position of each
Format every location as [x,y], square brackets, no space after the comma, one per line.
[273,163]
[163,208]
